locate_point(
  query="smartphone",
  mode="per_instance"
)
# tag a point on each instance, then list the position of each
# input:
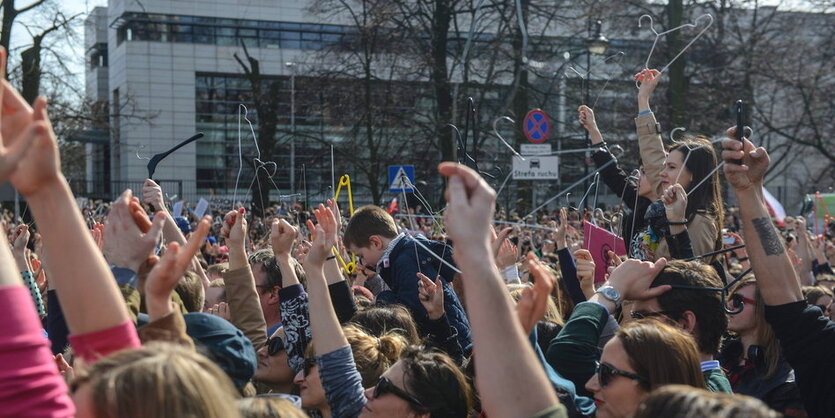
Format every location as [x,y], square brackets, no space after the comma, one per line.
[739,126]
[728,240]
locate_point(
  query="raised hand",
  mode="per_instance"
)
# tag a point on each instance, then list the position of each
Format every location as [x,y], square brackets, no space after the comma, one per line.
[585,271]
[496,241]
[282,236]
[675,203]
[325,232]
[98,235]
[234,228]
[561,233]
[222,310]
[40,165]
[431,295]
[755,161]
[125,244]
[508,253]
[633,279]
[533,303]
[170,269]
[649,79]
[586,117]
[152,194]
[470,212]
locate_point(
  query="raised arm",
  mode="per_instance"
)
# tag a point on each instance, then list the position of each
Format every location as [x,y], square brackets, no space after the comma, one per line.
[510,386]
[649,134]
[293,299]
[241,293]
[776,277]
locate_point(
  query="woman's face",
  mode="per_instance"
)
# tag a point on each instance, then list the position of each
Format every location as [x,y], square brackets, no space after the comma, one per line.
[389,404]
[622,395]
[644,188]
[674,169]
[746,321]
[310,389]
[274,370]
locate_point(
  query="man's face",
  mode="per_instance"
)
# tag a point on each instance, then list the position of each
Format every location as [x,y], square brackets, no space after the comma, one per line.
[266,293]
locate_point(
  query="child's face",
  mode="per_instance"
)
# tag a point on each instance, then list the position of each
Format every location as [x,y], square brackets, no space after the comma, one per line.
[370,255]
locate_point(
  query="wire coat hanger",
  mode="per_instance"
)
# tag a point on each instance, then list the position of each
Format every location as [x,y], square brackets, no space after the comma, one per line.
[659,35]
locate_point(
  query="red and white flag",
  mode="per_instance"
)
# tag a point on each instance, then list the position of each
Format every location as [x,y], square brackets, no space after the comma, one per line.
[775,209]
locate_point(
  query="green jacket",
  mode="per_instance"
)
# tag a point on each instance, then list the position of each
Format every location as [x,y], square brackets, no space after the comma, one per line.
[573,353]
[716,381]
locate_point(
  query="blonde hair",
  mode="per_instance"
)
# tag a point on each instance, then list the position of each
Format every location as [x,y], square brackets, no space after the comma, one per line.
[374,355]
[160,380]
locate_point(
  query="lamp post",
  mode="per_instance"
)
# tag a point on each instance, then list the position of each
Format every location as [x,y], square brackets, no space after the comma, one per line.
[292,67]
[596,44]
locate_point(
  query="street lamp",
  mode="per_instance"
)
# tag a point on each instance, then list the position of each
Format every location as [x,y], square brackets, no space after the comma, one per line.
[292,67]
[596,44]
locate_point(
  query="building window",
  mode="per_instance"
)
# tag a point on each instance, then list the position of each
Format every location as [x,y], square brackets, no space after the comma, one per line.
[229,32]
[98,55]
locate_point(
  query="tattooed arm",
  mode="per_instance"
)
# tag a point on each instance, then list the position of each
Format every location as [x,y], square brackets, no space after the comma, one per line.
[775,274]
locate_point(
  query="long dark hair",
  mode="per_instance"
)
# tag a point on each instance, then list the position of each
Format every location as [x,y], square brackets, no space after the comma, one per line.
[700,160]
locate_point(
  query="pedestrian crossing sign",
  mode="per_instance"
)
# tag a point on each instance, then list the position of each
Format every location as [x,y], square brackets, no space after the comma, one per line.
[401,178]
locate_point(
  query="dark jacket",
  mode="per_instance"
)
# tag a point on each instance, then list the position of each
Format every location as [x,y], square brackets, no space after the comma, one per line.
[780,392]
[807,340]
[399,272]
[616,179]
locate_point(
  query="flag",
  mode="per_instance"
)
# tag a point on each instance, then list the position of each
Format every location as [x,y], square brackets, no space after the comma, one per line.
[392,209]
[775,209]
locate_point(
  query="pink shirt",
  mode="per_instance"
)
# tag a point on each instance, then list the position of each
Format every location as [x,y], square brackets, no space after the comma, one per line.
[30,384]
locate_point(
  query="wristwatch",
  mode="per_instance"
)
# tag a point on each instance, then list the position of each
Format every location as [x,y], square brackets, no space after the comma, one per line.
[611,294]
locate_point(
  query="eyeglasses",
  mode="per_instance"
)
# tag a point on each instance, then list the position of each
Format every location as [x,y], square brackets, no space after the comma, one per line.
[308,364]
[274,345]
[738,301]
[605,372]
[644,314]
[384,386]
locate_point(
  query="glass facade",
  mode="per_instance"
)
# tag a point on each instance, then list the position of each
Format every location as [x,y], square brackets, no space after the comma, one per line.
[218,97]
[231,32]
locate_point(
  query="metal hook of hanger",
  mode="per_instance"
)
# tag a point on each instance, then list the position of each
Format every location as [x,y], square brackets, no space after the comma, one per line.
[140,148]
[659,35]
[501,138]
[673,134]
[616,150]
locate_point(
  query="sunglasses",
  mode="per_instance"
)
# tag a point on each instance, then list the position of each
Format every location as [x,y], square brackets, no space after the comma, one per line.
[274,345]
[308,364]
[384,386]
[738,301]
[605,373]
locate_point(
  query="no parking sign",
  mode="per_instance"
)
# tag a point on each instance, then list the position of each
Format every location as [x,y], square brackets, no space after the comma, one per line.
[536,126]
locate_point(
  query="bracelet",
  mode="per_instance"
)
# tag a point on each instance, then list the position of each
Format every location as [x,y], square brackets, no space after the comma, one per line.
[677,223]
[330,258]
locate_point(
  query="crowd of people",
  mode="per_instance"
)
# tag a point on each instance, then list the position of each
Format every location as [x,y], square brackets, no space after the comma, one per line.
[123,310]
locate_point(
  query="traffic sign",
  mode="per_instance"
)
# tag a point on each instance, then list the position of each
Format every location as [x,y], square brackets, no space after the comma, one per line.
[536,126]
[401,178]
[536,168]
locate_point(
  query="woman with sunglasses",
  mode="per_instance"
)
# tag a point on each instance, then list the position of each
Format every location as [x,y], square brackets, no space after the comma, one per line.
[642,356]
[274,371]
[372,356]
[419,384]
[753,356]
